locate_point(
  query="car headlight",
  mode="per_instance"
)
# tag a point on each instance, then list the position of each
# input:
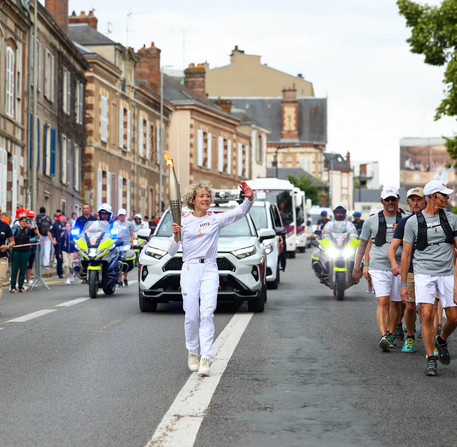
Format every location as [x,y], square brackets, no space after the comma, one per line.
[244,252]
[348,252]
[156,253]
[268,248]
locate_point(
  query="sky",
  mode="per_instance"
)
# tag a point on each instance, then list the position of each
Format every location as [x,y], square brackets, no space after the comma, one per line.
[353,51]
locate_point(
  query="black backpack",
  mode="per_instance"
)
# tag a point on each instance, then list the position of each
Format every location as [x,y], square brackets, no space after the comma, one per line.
[422,243]
[380,238]
[44,224]
[21,237]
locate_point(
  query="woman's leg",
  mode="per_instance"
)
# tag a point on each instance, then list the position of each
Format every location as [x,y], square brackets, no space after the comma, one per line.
[190,288]
[14,269]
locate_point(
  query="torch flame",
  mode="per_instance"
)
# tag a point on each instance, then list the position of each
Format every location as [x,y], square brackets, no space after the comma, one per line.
[167,159]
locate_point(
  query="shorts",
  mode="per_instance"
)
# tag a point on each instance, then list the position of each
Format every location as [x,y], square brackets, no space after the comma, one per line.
[386,284]
[412,291]
[427,287]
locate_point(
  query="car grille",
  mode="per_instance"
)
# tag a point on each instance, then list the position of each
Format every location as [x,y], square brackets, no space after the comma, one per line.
[176,264]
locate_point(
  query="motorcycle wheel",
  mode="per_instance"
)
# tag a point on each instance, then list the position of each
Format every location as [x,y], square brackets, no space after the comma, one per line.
[110,287]
[93,283]
[340,281]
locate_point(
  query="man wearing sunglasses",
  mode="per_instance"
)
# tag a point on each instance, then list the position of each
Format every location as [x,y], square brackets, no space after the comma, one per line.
[380,230]
[434,233]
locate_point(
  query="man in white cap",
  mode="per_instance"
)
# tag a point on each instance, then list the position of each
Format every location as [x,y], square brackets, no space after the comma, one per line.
[416,202]
[380,229]
[434,232]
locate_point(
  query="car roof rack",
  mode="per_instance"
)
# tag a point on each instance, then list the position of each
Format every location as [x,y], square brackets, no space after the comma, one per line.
[227,195]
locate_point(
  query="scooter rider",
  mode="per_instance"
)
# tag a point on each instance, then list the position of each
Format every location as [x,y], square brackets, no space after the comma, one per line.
[138,224]
[339,213]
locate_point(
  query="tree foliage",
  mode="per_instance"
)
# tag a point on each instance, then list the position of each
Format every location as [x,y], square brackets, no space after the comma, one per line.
[434,34]
[307,185]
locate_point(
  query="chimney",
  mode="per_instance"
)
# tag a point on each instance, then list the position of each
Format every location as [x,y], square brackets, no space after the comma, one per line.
[194,79]
[148,67]
[59,10]
[90,19]
[224,104]
[348,158]
[289,109]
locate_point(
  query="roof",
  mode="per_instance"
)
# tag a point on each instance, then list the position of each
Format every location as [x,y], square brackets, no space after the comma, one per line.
[86,35]
[312,117]
[298,173]
[336,162]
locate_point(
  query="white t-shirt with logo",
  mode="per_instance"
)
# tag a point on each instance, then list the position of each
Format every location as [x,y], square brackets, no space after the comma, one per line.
[200,234]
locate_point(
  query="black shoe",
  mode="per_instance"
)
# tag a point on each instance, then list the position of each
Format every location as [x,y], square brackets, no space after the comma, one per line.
[431,367]
[119,283]
[61,276]
[399,333]
[126,283]
[443,354]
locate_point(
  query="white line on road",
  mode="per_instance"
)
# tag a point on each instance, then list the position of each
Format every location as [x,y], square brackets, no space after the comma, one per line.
[72,302]
[31,316]
[180,425]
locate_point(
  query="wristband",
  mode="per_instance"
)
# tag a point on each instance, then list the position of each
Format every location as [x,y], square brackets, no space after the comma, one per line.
[403,285]
[356,270]
[366,265]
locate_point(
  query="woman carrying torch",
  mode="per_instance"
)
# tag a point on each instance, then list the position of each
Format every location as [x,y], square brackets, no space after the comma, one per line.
[199,275]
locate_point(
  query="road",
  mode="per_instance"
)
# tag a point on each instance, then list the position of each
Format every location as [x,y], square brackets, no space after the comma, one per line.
[306,372]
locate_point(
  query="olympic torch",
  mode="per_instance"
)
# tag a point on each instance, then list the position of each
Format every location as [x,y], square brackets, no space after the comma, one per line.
[174,195]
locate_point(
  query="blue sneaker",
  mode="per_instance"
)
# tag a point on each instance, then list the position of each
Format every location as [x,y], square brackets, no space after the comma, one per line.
[409,345]
[391,340]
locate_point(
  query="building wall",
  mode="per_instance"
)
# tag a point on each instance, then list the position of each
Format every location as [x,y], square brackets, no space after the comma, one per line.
[247,76]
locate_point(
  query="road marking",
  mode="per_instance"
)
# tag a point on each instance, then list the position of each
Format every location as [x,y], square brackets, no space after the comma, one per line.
[72,302]
[181,423]
[32,316]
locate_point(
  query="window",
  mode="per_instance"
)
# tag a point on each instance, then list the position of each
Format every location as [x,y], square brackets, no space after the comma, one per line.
[220,154]
[200,147]
[99,187]
[128,131]
[40,65]
[120,192]
[49,66]
[66,90]
[124,128]
[108,187]
[79,102]
[239,161]
[10,70]
[229,156]
[77,168]
[3,178]
[208,141]
[103,118]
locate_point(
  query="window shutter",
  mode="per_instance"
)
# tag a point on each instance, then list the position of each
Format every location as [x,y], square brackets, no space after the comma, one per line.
[53,151]
[68,92]
[120,183]
[140,137]
[64,90]
[13,182]
[3,178]
[209,150]
[52,77]
[148,140]
[30,139]
[121,127]
[99,187]
[229,157]
[240,160]
[248,163]
[128,130]
[128,197]
[68,167]
[200,147]
[108,187]
[45,150]
[220,154]
[63,147]
[38,144]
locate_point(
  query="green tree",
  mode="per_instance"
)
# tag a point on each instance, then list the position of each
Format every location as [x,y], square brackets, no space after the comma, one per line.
[434,34]
[307,185]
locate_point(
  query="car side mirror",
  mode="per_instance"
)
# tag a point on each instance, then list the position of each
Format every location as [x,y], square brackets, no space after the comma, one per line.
[144,233]
[266,233]
[280,231]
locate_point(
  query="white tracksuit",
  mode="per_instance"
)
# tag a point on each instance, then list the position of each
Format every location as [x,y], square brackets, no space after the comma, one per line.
[200,280]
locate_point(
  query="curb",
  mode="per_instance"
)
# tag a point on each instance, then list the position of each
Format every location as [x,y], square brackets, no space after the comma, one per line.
[45,274]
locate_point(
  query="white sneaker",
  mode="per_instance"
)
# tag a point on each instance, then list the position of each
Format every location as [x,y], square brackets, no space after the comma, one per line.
[203,370]
[193,361]
[68,281]
[72,277]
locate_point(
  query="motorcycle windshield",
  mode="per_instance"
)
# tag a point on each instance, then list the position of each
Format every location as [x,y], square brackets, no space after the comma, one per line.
[339,232]
[95,230]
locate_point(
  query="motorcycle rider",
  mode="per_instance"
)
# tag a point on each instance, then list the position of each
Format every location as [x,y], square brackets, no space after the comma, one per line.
[126,235]
[105,212]
[139,224]
[339,213]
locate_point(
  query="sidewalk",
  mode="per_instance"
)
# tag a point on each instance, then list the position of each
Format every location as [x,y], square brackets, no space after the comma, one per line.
[45,274]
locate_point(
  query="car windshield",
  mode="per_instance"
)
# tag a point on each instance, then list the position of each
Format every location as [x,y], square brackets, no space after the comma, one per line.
[258,214]
[236,229]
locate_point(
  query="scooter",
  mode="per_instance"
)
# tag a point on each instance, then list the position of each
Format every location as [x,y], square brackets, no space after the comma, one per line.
[334,261]
[99,262]
[138,244]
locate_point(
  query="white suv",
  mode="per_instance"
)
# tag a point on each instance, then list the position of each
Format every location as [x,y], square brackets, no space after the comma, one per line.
[241,262]
[266,216]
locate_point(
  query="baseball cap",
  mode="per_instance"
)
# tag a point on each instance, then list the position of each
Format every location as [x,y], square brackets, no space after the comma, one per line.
[19,211]
[30,213]
[390,191]
[324,213]
[373,211]
[122,211]
[416,191]
[58,216]
[436,186]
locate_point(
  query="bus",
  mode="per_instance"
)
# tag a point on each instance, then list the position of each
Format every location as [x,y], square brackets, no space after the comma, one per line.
[287,198]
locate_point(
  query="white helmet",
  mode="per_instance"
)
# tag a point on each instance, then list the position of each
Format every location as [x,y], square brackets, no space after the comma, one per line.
[339,216]
[105,208]
[137,216]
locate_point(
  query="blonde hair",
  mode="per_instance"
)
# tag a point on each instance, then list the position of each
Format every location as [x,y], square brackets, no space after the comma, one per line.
[191,192]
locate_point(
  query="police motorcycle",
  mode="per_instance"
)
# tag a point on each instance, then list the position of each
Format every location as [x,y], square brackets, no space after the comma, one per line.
[99,262]
[138,242]
[333,262]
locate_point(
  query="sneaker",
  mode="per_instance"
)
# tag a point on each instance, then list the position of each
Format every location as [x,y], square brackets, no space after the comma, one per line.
[126,283]
[431,367]
[399,333]
[384,344]
[391,339]
[68,281]
[435,353]
[193,362]
[409,345]
[46,267]
[119,283]
[203,370]
[439,329]
[443,354]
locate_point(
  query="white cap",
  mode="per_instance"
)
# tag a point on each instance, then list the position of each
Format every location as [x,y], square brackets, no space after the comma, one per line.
[390,191]
[436,186]
[122,211]
[373,211]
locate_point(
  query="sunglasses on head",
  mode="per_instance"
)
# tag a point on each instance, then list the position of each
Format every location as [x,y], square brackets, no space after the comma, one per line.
[390,199]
